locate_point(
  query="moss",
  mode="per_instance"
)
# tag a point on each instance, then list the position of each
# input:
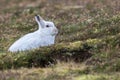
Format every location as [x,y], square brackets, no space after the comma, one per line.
[45,56]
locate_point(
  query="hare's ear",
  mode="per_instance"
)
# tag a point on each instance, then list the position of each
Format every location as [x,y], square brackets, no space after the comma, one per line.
[40,21]
[38,18]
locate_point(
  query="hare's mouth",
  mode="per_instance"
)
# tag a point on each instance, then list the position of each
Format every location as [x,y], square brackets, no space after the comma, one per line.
[54,34]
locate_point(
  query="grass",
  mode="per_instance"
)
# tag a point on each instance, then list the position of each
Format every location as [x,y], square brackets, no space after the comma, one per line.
[61,71]
[87,44]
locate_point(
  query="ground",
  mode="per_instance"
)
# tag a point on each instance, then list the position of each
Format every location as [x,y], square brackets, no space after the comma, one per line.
[86,48]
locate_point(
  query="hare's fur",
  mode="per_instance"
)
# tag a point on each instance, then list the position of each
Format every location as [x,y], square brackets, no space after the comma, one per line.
[44,36]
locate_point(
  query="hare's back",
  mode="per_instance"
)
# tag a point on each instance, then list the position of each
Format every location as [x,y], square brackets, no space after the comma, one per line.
[25,43]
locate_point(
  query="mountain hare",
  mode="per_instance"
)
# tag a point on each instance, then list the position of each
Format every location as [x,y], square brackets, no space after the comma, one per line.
[44,36]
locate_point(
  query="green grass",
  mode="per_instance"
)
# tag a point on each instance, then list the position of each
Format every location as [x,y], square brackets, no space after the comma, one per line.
[87,46]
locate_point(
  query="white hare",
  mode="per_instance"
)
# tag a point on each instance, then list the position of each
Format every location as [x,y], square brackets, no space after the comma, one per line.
[44,36]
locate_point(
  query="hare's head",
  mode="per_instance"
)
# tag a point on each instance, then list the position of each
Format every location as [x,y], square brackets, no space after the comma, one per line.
[46,27]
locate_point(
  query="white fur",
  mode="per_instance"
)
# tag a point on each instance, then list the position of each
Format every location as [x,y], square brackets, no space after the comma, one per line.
[44,36]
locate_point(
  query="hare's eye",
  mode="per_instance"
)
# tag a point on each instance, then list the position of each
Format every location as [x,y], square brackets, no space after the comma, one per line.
[47,26]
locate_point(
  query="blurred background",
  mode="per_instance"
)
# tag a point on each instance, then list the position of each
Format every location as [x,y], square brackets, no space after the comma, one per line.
[17,17]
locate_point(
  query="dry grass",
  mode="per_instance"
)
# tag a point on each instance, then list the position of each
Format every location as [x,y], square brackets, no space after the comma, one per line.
[61,71]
